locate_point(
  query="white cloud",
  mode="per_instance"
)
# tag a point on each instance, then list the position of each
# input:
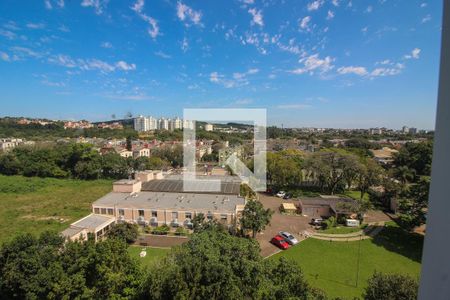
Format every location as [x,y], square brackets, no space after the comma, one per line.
[426,19]
[335,2]
[257,16]
[186,13]
[7,34]
[153,30]
[315,5]
[361,71]
[98,5]
[63,28]
[63,60]
[4,56]
[36,25]
[381,72]
[138,6]
[49,3]
[314,63]
[330,15]
[294,106]
[121,65]
[238,79]
[106,45]
[415,54]
[304,23]
[184,44]
[162,54]
[369,9]
[90,64]
[423,5]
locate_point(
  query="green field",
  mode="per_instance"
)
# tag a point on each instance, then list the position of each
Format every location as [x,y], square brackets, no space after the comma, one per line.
[153,254]
[332,266]
[33,205]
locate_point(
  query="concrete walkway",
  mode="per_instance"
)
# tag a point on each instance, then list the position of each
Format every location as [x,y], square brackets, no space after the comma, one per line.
[369,232]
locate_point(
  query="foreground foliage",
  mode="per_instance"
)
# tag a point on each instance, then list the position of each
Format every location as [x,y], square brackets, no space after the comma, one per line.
[46,268]
[216,265]
[391,286]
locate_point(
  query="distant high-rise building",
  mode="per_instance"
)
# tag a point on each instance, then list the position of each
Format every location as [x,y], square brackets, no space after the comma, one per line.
[412,130]
[405,129]
[142,123]
[163,124]
[176,123]
[209,127]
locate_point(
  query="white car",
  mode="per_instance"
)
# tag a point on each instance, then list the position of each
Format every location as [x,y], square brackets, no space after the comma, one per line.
[288,237]
[281,194]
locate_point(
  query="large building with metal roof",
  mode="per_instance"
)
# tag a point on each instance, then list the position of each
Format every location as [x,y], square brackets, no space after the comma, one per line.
[156,202]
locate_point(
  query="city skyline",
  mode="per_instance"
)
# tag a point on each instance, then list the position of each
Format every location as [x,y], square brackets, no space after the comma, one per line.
[341,64]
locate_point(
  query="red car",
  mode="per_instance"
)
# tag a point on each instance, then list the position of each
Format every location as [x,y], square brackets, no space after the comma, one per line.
[280,242]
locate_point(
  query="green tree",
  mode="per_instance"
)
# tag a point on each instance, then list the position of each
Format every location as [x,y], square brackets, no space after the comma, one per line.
[124,231]
[216,265]
[413,206]
[50,268]
[255,217]
[369,175]
[391,286]
[129,143]
[416,156]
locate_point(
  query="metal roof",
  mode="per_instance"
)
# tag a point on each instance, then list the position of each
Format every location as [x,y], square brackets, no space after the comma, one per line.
[200,186]
[93,221]
[171,201]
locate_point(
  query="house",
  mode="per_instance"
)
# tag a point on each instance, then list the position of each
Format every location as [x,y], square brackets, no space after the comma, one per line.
[141,152]
[95,224]
[327,206]
[125,153]
[384,156]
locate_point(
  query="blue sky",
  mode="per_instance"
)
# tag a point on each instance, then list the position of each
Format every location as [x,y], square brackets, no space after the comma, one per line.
[322,63]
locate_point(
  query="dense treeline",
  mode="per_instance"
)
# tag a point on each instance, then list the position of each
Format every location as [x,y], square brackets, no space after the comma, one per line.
[212,265]
[10,128]
[331,170]
[80,161]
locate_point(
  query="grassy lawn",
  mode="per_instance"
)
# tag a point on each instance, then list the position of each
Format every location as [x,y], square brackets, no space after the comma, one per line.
[33,205]
[332,266]
[153,254]
[356,195]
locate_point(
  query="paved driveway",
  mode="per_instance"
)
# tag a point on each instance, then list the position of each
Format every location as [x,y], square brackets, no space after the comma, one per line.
[293,224]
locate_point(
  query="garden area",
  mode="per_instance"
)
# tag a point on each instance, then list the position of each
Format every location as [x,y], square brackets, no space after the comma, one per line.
[342,269]
[33,204]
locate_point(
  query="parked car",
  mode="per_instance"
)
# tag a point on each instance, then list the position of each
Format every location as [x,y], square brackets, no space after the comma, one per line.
[316,221]
[287,196]
[279,241]
[289,238]
[281,194]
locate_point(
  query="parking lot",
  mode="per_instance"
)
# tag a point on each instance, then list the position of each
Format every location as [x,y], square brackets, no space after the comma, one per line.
[293,224]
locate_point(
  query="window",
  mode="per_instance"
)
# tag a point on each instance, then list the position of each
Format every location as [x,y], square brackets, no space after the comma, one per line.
[97,210]
[141,212]
[154,214]
[174,215]
[209,216]
[103,211]
[188,215]
[121,212]
[110,211]
[223,217]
